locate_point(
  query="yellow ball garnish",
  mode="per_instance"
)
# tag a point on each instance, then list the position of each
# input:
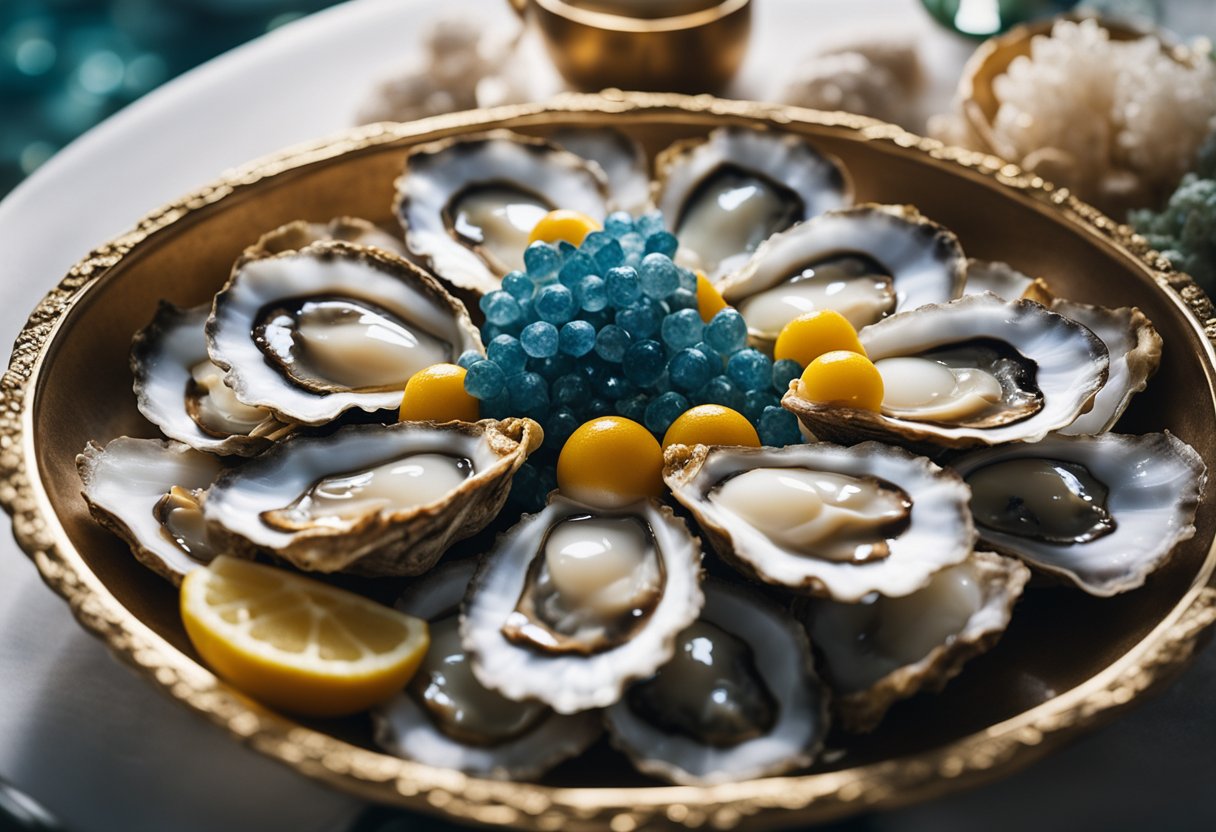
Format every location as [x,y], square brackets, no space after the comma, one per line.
[842,378]
[296,643]
[811,335]
[709,300]
[437,394]
[610,462]
[711,424]
[563,224]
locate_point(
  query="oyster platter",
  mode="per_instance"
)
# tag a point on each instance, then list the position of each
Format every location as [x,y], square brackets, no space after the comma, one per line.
[589,450]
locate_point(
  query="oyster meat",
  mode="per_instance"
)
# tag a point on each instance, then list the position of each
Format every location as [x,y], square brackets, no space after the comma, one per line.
[370,499]
[310,334]
[468,205]
[882,649]
[445,718]
[149,492]
[727,193]
[575,602]
[740,699]
[823,519]
[1102,512]
[865,262]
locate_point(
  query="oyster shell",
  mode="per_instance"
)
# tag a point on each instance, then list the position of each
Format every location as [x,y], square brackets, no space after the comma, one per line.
[975,371]
[881,649]
[575,602]
[825,520]
[865,262]
[622,159]
[770,180]
[179,390]
[299,234]
[370,499]
[468,204]
[1135,354]
[446,719]
[1101,511]
[740,700]
[1006,282]
[148,492]
[293,332]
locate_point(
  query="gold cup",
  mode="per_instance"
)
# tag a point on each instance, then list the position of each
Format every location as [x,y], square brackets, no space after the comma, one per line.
[696,52]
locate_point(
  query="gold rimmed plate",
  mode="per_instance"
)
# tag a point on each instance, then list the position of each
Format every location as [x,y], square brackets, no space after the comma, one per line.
[1068,662]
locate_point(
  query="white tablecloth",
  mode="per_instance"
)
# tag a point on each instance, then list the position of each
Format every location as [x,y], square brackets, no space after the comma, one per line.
[104,750]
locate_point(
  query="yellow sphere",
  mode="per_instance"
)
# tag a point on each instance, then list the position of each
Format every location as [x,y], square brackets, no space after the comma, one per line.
[844,379]
[563,224]
[711,424]
[610,462]
[811,335]
[437,394]
[709,300]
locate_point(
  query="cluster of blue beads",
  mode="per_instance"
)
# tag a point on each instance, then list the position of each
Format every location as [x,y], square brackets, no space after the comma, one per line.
[612,327]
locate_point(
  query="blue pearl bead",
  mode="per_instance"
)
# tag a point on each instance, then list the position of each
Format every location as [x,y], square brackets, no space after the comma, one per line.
[518,285]
[785,371]
[508,354]
[529,393]
[689,370]
[592,293]
[611,343]
[778,427]
[659,276]
[542,261]
[663,410]
[500,308]
[618,223]
[751,370]
[644,362]
[571,389]
[623,286]
[539,339]
[555,304]
[577,338]
[662,242]
[484,380]
[727,331]
[682,329]
[468,357]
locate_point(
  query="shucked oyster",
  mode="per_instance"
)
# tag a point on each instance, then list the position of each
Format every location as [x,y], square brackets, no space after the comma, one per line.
[149,493]
[310,334]
[823,519]
[725,194]
[575,602]
[1101,511]
[883,649]
[445,718]
[180,391]
[370,499]
[740,699]
[468,204]
[865,262]
[975,371]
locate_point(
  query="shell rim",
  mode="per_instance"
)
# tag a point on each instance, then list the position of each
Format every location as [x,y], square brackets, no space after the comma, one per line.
[1157,657]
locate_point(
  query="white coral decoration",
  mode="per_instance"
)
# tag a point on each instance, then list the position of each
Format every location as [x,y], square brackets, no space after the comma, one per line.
[1118,121]
[878,79]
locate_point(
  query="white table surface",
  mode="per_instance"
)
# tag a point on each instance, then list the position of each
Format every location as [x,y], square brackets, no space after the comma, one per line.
[104,750]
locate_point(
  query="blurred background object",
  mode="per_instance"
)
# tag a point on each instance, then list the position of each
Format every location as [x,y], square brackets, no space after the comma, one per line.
[67,64]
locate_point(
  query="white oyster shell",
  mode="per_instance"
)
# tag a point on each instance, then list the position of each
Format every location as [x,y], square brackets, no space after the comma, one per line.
[395,539]
[783,660]
[403,727]
[1155,483]
[939,532]
[622,159]
[1071,366]
[437,174]
[785,160]
[569,683]
[294,236]
[163,354]
[881,649]
[1004,281]
[124,481]
[923,258]
[324,269]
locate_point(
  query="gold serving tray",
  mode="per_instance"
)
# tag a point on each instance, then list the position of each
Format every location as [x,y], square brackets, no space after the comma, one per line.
[1067,663]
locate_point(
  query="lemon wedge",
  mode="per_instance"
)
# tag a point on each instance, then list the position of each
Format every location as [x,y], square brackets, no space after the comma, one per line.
[295,643]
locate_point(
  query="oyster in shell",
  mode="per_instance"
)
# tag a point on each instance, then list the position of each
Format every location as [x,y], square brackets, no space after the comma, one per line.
[370,499]
[881,649]
[725,194]
[865,262]
[622,159]
[149,493]
[1102,512]
[468,204]
[297,235]
[1006,282]
[575,602]
[445,718]
[825,520]
[975,371]
[310,334]
[179,390]
[740,699]
[1135,354]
